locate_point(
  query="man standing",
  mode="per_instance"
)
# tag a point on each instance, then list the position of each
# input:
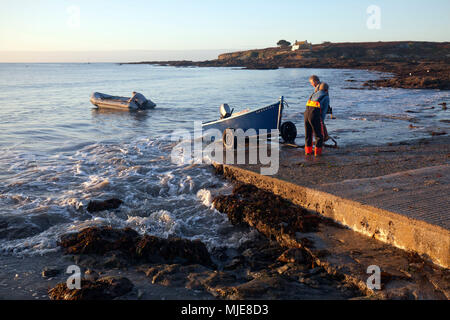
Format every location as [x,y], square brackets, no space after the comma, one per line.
[317,103]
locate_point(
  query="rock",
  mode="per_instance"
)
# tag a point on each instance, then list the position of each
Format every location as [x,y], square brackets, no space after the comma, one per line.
[110,204]
[264,256]
[220,253]
[315,270]
[270,214]
[122,247]
[106,288]
[88,260]
[283,268]
[91,275]
[100,240]
[115,260]
[218,280]
[294,255]
[193,277]
[173,250]
[174,274]
[235,263]
[260,288]
[50,272]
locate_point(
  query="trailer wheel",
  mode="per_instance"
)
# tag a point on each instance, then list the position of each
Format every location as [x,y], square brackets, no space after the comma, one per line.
[288,132]
[229,139]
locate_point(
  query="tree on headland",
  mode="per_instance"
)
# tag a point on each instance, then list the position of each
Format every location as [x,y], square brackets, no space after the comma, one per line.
[283,43]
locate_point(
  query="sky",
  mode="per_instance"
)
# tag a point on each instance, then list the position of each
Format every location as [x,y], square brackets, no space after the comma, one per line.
[119,30]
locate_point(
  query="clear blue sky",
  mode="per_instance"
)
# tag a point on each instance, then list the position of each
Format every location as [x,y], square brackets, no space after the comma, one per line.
[109,25]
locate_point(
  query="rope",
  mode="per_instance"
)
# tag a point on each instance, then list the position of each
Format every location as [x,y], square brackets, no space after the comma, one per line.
[286,103]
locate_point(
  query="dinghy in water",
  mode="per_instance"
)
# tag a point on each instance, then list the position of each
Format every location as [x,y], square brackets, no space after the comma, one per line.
[102,100]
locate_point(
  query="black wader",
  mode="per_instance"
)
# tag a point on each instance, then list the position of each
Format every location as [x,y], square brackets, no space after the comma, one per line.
[313,124]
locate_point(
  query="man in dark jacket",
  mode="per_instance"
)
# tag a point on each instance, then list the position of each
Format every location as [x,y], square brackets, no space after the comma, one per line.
[318,102]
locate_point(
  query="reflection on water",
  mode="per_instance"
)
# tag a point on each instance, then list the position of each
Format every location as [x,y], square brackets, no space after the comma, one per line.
[101,114]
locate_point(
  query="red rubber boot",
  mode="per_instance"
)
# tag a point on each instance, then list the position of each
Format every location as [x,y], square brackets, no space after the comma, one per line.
[317,152]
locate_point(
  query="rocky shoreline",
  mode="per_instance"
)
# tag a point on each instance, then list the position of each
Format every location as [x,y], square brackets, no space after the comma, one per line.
[263,269]
[296,254]
[414,65]
[122,264]
[284,262]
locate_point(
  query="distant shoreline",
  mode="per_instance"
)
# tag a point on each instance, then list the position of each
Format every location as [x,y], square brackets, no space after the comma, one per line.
[415,65]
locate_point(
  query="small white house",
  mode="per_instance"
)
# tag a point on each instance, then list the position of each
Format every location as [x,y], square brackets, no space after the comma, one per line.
[298,45]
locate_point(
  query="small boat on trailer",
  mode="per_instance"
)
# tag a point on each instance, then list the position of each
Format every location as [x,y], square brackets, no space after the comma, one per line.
[102,100]
[267,118]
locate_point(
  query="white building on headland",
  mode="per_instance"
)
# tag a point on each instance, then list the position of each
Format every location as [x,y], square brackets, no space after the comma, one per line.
[298,45]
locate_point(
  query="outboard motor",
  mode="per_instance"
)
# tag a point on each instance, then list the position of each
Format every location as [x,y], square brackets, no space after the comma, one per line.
[225,111]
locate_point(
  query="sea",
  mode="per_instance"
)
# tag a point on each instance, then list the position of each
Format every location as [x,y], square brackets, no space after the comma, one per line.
[58,152]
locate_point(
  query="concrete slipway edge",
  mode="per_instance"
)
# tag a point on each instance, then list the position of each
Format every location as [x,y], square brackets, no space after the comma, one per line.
[430,241]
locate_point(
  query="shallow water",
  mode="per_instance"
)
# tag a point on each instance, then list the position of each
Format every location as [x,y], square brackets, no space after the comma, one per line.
[57,152]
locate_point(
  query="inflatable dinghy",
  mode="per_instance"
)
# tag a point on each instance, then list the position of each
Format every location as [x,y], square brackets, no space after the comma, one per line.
[102,100]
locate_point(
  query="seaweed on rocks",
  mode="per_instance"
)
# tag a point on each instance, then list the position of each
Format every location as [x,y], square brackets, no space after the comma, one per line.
[100,240]
[174,250]
[268,213]
[257,269]
[106,288]
[126,245]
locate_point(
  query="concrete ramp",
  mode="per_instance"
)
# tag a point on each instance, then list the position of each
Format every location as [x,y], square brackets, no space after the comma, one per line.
[372,207]
[421,194]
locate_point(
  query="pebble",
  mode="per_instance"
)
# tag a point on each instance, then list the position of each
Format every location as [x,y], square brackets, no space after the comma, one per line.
[49,272]
[283,269]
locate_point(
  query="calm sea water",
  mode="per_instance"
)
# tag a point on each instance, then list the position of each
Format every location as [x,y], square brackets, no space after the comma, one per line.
[57,152]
